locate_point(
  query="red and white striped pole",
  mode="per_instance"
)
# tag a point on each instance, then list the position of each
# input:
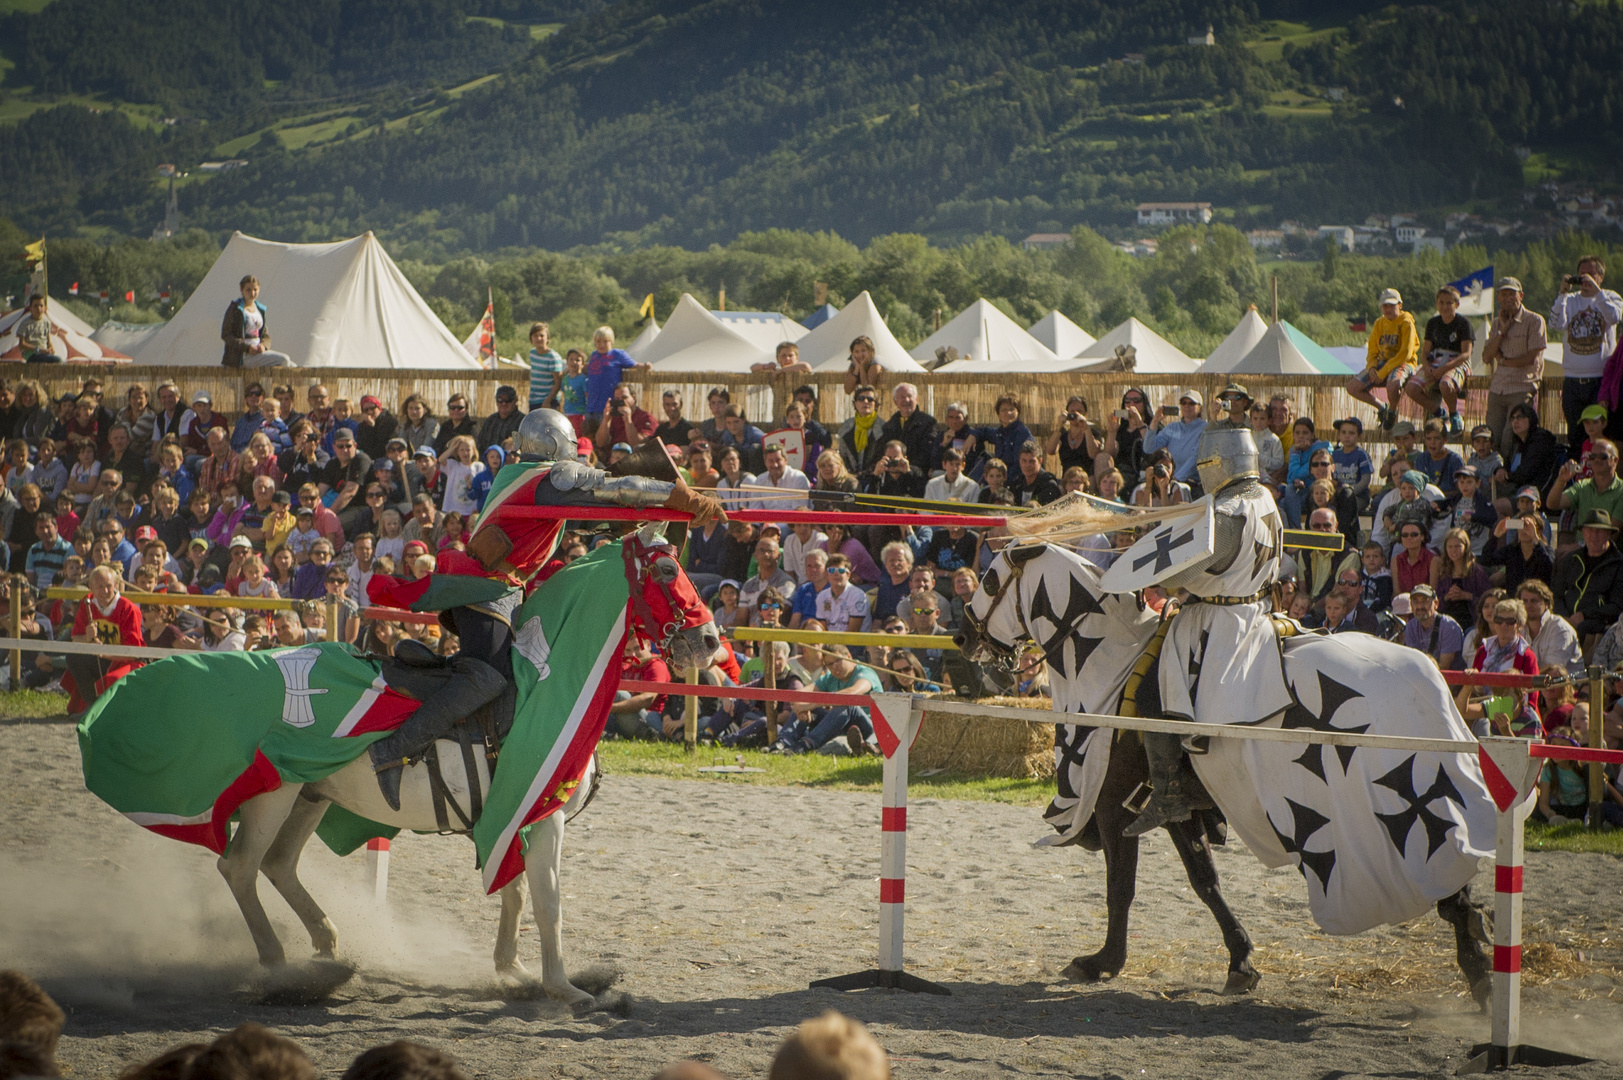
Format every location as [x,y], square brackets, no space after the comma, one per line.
[896,720]
[1511,772]
[377,853]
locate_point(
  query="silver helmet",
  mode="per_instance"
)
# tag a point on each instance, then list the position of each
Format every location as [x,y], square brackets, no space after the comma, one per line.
[546,435]
[1226,455]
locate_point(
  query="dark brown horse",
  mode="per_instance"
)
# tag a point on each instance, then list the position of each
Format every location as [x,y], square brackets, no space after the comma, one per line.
[1020,602]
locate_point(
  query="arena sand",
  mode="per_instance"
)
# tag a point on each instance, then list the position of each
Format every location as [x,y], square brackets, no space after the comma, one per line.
[718,903]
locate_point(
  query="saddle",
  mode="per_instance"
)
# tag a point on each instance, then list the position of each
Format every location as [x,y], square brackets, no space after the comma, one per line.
[490,724]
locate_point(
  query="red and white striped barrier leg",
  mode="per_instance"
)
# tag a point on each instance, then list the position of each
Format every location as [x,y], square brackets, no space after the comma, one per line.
[896,719]
[377,853]
[1511,774]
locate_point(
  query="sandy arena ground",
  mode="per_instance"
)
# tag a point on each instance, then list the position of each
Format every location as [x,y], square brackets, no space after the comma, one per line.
[717,903]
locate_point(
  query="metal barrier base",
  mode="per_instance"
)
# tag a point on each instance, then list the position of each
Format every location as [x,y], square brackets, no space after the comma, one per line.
[893,980]
[1486,1057]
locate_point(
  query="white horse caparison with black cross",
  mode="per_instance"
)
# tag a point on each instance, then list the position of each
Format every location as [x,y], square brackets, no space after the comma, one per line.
[274,827]
[1378,834]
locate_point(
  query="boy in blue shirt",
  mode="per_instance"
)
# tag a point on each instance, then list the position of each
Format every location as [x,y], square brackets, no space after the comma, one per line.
[603,373]
[1350,462]
[572,396]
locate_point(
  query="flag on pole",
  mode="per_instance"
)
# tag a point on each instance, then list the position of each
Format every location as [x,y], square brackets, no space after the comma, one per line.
[36,251]
[647,309]
[1476,281]
[481,344]
[73,290]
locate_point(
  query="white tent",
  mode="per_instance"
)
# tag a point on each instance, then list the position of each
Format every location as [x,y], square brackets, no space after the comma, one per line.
[1061,335]
[344,304]
[644,339]
[1241,340]
[125,337]
[828,348]
[1154,354]
[984,334]
[1276,354]
[767,329]
[693,339]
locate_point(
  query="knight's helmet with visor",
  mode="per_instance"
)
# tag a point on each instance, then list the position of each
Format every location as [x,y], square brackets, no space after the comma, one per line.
[547,435]
[1226,455]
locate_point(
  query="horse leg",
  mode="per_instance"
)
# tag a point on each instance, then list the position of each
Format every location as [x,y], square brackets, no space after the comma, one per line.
[281,866]
[259,820]
[507,963]
[1471,930]
[1189,837]
[543,865]
[1121,884]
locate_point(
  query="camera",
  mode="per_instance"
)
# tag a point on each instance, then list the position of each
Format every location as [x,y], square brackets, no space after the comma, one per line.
[1120,414]
[1169,410]
[1513,525]
[1159,472]
[1073,416]
[1572,279]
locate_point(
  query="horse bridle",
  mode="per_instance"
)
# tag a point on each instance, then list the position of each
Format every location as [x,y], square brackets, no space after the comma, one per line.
[1007,657]
[664,570]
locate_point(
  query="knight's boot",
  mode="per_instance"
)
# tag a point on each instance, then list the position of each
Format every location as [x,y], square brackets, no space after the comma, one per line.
[1170,799]
[472,683]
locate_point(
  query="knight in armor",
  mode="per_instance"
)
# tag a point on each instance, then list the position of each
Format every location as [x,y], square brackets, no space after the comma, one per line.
[1222,658]
[510,550]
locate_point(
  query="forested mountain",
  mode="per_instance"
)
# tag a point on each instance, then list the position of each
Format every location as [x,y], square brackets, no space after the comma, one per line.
[686,123]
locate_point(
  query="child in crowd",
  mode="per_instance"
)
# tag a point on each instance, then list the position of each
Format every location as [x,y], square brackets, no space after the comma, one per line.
[303,535]
[453,531]
[1484,457]
[67,522]
[49,472]
[1375,580]
[495,458]
[391,542]
[254,583]
[82,477]
[728,614]
[574,389]
[1594,420]
[1350,463]
[17,469]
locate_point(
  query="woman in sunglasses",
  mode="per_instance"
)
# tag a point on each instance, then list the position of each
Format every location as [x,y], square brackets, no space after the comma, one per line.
[1124,440]
[457,422]
[1411,562]
[1506,652]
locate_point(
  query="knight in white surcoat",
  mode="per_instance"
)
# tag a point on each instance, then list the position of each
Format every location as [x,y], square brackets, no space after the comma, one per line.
[1221,661]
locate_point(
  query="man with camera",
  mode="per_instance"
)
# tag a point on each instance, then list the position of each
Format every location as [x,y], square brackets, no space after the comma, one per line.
[1181,436]
[894,474]
[623,422]
[1515,354]
[1588,314]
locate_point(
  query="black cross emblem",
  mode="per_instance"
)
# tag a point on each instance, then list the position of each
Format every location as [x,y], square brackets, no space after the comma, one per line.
[1068,740]
[1332,696]
[1398,825]
[1078,606]
[1305,821]
[1162,555]
[1197,660]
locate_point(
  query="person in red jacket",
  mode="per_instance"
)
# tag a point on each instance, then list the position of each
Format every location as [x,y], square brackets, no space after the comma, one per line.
[104,618]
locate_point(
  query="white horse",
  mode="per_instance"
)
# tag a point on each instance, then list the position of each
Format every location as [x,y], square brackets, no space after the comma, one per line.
[274,827]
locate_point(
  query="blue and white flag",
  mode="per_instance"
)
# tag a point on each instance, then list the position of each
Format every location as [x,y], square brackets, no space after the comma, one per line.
[1476,281]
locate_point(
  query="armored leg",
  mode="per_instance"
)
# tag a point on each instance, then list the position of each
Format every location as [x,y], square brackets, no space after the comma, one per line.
[1170,798]
[469,684]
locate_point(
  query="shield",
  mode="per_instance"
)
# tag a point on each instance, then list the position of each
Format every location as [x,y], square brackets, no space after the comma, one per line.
[1166,549]
[793,443]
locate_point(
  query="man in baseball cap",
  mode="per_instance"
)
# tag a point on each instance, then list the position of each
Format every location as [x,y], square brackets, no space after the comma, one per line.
[1394,345]
[1514,352]
[1237,400]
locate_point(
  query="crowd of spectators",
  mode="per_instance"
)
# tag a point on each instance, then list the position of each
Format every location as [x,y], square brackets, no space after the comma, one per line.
[275,502]
[826,1047]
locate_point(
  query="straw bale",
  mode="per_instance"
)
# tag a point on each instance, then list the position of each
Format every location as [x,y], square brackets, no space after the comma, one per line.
[987,746]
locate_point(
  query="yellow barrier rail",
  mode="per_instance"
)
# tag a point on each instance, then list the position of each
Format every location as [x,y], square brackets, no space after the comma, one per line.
[842,637]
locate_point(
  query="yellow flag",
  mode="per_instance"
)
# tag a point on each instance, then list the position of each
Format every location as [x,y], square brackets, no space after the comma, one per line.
[35,250]
[647,308]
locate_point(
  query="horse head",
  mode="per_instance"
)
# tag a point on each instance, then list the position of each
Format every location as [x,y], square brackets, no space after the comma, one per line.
[1051,598]
[665,607]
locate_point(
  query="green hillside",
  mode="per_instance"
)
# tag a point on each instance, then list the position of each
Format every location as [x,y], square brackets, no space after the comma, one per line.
[475,125]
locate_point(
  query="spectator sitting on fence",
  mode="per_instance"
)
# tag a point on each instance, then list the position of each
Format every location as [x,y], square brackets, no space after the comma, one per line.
[843,676]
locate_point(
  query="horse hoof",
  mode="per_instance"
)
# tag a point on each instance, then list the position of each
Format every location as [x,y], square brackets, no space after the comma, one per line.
[1084,969]
[1241,982]
[573,996]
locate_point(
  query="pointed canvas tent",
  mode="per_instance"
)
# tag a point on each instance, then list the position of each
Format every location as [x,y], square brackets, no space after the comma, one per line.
[1062,336]
[1285,350]
[644,339]
[693,339]
[1241,340]
[767,329]
[70,344]
[127,338]
[344,304]
[1154,354]
[828,348]
[819,317]
[983,334]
